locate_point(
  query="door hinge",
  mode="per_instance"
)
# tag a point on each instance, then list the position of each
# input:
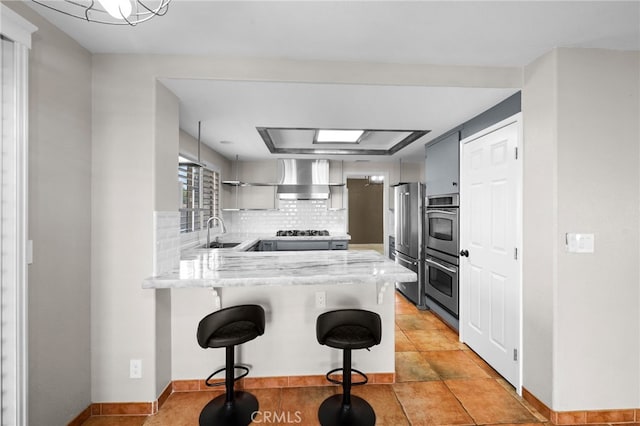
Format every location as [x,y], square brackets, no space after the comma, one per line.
[515,253]
[515,354]
[516,150]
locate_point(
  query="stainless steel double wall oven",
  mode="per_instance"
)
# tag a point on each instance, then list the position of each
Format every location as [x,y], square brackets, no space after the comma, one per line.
[441,227]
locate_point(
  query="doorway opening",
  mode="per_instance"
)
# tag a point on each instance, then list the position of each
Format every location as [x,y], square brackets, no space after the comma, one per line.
[366,212]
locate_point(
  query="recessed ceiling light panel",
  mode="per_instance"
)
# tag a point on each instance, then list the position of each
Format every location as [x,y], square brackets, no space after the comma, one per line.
[338,136]
[301,140]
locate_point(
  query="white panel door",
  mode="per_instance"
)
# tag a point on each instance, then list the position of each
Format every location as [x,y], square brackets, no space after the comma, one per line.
[490,285]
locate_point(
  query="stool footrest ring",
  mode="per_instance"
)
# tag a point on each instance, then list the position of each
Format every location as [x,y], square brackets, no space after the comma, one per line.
[222,383]
[353,370]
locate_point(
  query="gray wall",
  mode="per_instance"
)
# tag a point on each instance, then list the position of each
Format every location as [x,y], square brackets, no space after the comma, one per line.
[59,224]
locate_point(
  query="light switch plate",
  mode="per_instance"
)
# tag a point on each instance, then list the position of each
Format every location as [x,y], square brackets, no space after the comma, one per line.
[580,243]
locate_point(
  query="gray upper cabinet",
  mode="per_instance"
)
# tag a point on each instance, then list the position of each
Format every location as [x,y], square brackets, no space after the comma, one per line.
[442,165]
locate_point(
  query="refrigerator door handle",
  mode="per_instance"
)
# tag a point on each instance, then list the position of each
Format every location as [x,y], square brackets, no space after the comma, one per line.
[406,218]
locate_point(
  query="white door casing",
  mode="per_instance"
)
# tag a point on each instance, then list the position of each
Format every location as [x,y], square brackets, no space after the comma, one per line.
[490,230]
[14,249]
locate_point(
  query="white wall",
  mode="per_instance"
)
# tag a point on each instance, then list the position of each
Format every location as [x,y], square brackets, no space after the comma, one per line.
[582,318]
[211,158]
[166,142]
[59,223]
[540,227]
[598,192]
[122,314]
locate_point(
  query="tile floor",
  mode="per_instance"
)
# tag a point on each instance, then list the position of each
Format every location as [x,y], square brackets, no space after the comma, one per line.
[439,381]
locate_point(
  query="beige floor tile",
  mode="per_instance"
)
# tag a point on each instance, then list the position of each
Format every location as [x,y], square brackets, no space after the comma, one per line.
[182,409]
[384,402]
[412,367]
[453,365]
[523,424]
[403,306]
[418,321]
[376,247]
[488,402]
[403,344]
[481,363]
[115,420]
[430,403]
[303,403]
[432,340]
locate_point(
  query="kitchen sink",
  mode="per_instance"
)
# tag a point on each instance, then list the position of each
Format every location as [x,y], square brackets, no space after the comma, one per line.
[216,245]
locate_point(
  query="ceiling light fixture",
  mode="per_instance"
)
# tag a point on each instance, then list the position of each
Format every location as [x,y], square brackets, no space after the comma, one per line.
[338,136]
[111,12]
[304,140]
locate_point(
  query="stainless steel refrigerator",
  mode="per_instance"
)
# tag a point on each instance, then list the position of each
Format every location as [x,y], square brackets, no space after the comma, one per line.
[408,210]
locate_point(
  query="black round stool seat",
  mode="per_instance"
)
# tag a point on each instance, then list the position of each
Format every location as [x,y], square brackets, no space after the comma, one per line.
[347,329]
[227,328]
[231,326]
[350,337]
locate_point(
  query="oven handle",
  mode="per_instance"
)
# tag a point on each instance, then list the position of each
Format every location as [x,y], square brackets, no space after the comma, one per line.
[429,211]
[406,261]
[439,265]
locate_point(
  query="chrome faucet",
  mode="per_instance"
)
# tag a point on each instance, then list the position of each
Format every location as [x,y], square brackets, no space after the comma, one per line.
[223,229]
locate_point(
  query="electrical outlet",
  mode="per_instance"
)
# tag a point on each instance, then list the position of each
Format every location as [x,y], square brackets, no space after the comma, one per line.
[321,299]
[135,369]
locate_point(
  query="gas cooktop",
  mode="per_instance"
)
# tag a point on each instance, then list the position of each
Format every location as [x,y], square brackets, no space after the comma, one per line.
[302,233]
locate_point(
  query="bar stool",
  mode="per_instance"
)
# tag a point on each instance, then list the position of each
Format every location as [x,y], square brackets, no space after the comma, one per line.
[347,329]
[227,328]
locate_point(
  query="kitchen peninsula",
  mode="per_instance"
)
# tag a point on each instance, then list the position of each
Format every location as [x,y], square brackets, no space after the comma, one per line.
[294,288]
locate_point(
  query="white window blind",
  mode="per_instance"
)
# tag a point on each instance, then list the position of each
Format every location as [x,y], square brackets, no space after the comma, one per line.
[200,196]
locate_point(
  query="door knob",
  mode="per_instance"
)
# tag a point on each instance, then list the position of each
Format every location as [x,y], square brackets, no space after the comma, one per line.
[464,253]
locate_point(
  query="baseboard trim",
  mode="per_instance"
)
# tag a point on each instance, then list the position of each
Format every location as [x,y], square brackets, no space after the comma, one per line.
[151,408]
[278,382]
[585,417]
[81,418]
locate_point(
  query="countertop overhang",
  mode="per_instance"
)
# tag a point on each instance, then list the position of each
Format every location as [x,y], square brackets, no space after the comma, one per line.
[214,268]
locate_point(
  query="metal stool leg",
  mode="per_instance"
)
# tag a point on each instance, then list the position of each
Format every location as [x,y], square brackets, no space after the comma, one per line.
[346,409]
[234,408]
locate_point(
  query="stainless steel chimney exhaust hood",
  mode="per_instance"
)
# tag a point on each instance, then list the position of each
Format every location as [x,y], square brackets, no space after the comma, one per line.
[303,179]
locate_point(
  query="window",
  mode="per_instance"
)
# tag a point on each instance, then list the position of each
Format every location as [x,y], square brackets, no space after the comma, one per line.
[200,196]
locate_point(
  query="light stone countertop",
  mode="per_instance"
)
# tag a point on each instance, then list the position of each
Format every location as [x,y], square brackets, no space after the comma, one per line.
[215,268]
[271,237]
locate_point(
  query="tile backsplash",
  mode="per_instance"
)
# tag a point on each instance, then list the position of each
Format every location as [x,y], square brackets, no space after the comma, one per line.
[291,214]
